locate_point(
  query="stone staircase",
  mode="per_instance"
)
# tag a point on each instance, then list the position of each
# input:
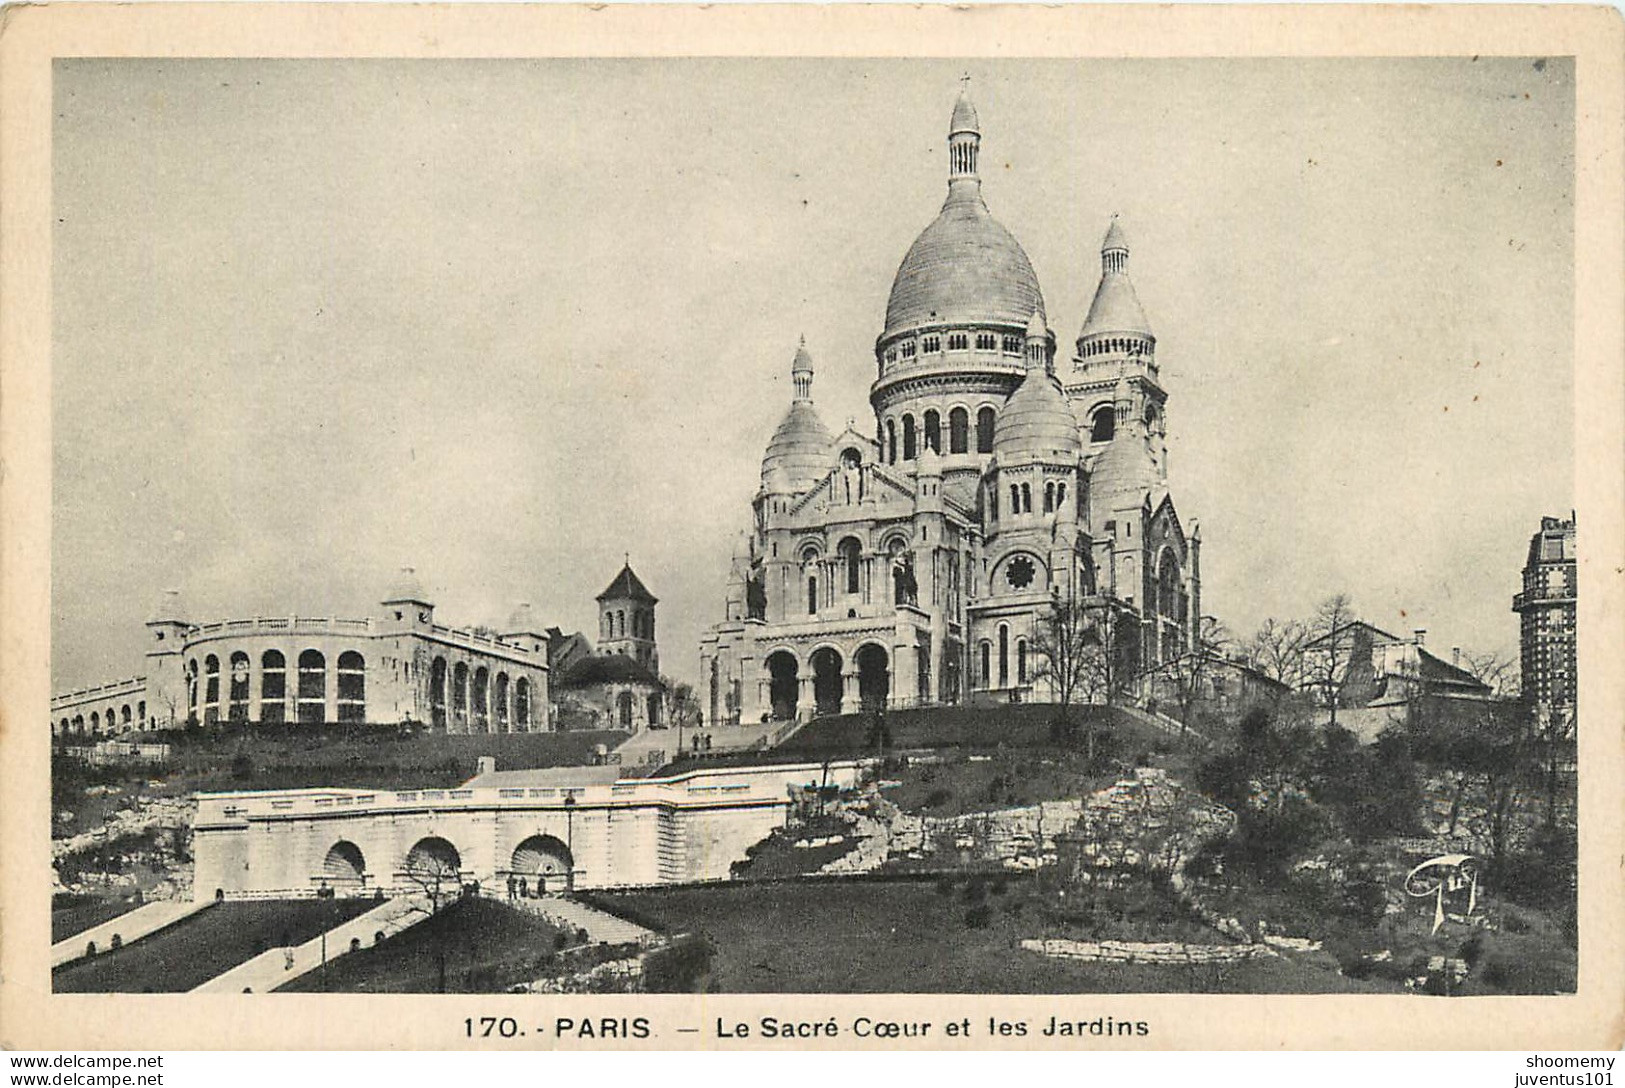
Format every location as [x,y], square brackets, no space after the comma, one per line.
[275,968]
[572,915]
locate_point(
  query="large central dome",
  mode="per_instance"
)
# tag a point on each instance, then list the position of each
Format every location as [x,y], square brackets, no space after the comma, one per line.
[964,268]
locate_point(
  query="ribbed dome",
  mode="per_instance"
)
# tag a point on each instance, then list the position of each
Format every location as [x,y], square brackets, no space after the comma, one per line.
[406,587]
[1116,307]
[964,267]
[801,448]
[1124,471]
[1037,421]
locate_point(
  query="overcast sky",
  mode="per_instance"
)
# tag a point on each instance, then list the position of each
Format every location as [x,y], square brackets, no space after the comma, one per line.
[506,321]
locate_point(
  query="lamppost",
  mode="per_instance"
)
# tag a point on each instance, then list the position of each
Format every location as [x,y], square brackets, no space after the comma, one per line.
[570,841]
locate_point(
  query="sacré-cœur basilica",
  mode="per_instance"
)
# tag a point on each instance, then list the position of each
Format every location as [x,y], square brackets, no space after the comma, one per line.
[915,565]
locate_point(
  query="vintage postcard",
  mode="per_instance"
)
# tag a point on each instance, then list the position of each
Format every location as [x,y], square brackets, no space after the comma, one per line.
[811,527]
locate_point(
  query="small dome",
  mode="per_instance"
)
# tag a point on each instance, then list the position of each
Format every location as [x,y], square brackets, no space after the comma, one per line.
[522,620]
[964,267]
[1037,421]
[1036,329]
[1115,239]
[964,118]
[1124,470]
[800,449]
[406,587]
[930,462]
[1116,308]
[168,608]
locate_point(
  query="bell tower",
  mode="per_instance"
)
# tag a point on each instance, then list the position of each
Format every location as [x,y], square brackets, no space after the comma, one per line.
[626,620]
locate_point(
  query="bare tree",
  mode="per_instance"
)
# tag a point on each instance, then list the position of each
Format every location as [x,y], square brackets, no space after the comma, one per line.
[1496,671]
[1188,672]
[1328,648]
[1276,649]
[1073,653]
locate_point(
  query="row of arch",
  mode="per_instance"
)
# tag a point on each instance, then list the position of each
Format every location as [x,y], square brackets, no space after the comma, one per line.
[209,699]
[847,569]
[1021,497]
[987,678]
[1117,345]
[435,861]
[1103,421]
[959,340]
[120,719]
[905,438]
[613,623]
[478,700]
[826,680]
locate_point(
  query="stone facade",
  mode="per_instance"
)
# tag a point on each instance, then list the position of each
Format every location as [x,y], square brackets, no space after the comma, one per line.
[914,565]
[579,827]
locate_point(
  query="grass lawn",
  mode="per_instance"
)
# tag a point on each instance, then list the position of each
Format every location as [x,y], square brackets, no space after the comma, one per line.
[905,937]
[66,921]
[486,948]
[191,952]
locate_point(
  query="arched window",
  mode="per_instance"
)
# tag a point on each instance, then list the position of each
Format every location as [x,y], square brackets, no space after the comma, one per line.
[653,708]
[312,690]
[78,723]
[273,687]
[984,430]
[909,452]
[64,726]
[437,693]
[1049,496]
[124,716]
[986,674]
[237,705]
[1015,499]
[958,431]
[1103,424]
[1004,656]
[211,688]
[851,553]
[891,442]
[623,705]
[1060,495]
[459,697]
[141,712]
[499,698]
[95,721]
[812,595]
[1021,661]
[933,431]
[480,700]
[191,690]
[521,705]
[1026,499]
[957,341]
[352,693]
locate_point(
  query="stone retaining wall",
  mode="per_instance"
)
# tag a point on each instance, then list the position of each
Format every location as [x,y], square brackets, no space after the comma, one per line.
[1160,952]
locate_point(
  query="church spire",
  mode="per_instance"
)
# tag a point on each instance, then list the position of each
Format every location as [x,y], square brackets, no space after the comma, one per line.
[1114,250]
[964,141]
[801,372]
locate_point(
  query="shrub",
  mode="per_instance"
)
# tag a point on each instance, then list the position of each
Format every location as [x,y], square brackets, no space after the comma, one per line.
[977,917]
[679,967]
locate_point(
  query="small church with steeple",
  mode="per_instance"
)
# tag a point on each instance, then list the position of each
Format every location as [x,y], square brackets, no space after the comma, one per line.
[917,563]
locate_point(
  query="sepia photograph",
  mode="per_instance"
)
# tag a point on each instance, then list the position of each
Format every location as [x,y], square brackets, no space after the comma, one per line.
[817,525]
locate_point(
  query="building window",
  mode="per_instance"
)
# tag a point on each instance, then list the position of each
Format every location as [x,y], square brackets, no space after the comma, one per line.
[1060,495]
[1015,499]
[500,698]
[891,442]
[987,664]
[931,345]
[984,430]
[459,697]
[850,552]
[1049,496]
[480,699]
[812,595]
[1012,345]
[273,686]
[909,349]
[352,693]
[312,690]
[654,708]
[909,452]
[1103,424]
[933,431]
[958,431]
[521,705]
[437,693]
[623,703]
[211,689]
[958,341]
[1021,661]
[1020,572]
[237,706]
[1026,499]
[986,341]
[1004,656]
